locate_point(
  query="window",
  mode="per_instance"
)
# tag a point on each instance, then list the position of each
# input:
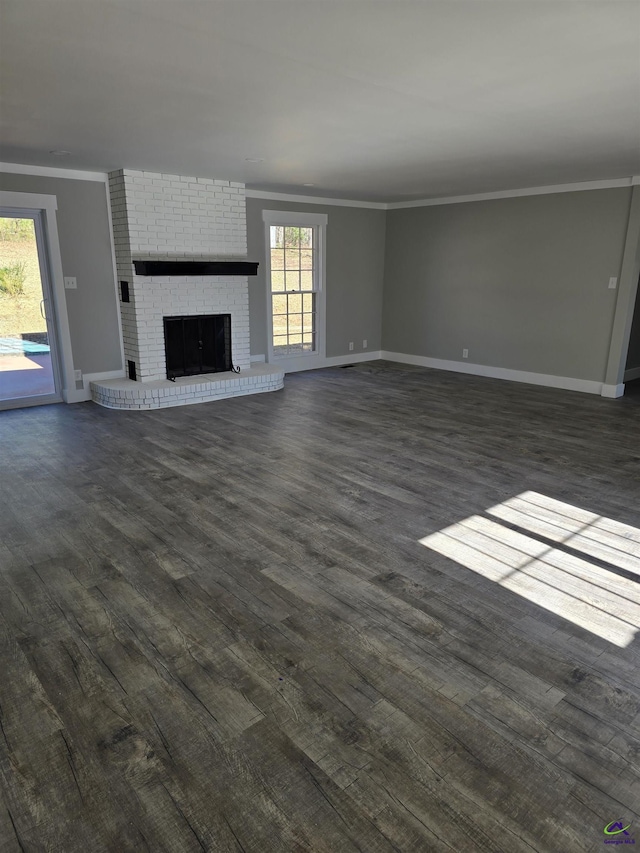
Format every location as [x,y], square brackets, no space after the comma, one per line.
[293,289]
[295,285]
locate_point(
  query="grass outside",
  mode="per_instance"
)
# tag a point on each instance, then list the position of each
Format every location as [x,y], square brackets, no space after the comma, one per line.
[21,314]
[293,303]
[294,324]
[293,321]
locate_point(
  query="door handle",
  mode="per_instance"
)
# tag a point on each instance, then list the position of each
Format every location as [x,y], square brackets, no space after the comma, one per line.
[44,316]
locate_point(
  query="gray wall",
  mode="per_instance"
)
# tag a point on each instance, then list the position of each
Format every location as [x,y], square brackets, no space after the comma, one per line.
[354,274]
[85,249]
[522,282]
[633,356]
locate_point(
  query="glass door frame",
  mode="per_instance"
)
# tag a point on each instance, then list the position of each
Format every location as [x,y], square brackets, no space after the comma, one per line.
[42,210]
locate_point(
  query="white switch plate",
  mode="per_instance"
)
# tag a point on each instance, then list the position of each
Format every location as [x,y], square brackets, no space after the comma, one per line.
[77,375]
[465,353]
[613,283]
[364,344]
[70,282]
[350,346]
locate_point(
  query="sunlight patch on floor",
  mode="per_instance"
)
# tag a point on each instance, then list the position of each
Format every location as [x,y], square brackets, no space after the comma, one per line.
[591,534]
[17,362]
[576,589]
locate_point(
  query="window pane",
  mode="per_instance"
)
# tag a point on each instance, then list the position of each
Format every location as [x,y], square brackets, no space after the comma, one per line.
[279,340]
[295,303]
[292,259]
[279,304]
[277,280]
[291,236]
[306,280]
[295,323]
[293,280]
[306,237]
[308,302]
[308,322]
[276,236]
[280,324]
[277,259]
[306,259]
[295,339]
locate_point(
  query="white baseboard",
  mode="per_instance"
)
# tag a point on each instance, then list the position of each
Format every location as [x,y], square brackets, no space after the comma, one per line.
[81,395]
[612,391]
[631,374]
[334,361]
[567,383]
[352,358]
[75,395]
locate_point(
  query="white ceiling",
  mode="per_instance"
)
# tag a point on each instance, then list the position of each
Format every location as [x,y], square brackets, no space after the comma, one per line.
[366,99]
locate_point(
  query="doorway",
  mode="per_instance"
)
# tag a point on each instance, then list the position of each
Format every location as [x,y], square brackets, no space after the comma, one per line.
[29,364]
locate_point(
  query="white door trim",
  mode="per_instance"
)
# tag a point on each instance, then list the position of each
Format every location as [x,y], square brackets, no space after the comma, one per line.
[48,204]
[626,300]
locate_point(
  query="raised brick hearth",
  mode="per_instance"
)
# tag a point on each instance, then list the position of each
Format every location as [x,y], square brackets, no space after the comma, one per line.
[161,393]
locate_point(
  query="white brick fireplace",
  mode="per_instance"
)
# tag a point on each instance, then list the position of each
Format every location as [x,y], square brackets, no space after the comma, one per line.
[175,218]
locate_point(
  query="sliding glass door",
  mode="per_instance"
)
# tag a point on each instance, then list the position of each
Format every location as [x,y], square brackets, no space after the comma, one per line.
[29,368]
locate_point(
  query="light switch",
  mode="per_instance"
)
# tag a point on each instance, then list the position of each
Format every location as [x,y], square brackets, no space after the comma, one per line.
[70,283]
[613,283]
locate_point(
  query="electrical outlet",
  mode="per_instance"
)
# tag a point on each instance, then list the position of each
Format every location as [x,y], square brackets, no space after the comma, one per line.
[465,353]
[77,375]
[70,282]
[364,344]
[350,346]
[613,283]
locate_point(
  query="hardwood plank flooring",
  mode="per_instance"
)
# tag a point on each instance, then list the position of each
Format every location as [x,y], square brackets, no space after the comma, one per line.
[384,609]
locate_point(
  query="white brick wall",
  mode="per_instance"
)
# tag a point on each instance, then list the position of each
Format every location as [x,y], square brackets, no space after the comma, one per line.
[172,217]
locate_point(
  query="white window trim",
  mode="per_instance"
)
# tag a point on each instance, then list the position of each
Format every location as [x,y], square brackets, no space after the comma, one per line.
[48,204]
[296,218]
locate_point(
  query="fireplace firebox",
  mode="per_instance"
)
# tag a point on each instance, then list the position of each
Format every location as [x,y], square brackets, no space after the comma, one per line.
[197,344]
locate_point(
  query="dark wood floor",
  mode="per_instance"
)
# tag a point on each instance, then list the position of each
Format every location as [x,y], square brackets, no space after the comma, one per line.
[219,629]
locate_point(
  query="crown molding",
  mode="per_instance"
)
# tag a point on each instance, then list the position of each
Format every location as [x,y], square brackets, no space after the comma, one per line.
[51,172]
[312,199]
[103,177]
[458,199]
[528,191]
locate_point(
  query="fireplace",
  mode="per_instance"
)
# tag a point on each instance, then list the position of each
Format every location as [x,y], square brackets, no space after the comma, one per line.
[197,344]
[181,254]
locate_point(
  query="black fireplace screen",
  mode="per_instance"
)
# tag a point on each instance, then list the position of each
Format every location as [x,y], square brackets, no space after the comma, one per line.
[197,344]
